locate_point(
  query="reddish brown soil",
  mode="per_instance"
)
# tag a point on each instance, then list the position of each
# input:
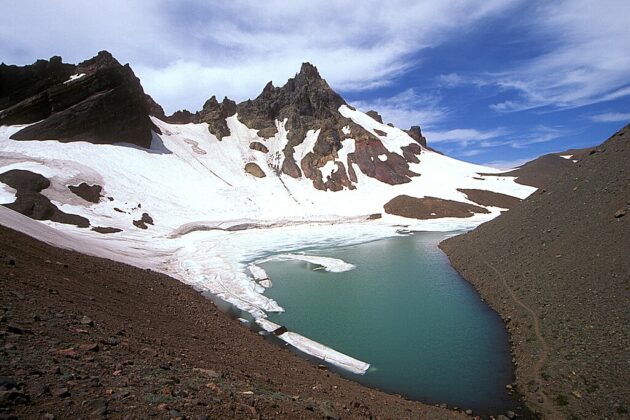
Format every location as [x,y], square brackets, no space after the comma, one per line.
[87,337]
[430,208]
[490,198]
[557,268]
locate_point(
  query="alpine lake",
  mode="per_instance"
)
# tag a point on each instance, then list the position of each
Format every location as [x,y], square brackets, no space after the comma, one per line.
[424,330]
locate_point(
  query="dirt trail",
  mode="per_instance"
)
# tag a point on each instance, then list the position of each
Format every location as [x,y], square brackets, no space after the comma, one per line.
[546,405]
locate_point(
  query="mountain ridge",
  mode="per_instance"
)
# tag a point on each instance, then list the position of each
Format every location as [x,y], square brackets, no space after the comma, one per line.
[100,101]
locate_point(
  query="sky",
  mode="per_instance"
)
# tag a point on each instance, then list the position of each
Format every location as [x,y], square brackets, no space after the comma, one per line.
[496,82]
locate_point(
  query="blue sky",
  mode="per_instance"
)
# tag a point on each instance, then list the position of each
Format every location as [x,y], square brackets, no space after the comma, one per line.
[489,81]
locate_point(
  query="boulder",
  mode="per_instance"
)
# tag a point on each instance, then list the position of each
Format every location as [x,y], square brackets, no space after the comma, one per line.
[253,169]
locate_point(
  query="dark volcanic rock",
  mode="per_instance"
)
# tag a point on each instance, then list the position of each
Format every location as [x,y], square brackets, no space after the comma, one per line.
[430,208]
[254,170]
[393,170]
[145,220]
[91,193]
[411,152]
[557,266]
[106,105]
[256,145]
[106,229]
[215,113]
[416,134]
[30,202]
[19,83]
[308,103]
[375,115]
[183,116]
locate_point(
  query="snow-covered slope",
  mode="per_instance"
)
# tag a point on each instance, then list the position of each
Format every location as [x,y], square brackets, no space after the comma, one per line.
[189,177]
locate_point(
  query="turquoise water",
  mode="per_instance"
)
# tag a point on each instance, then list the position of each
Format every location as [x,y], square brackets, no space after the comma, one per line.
[407,312]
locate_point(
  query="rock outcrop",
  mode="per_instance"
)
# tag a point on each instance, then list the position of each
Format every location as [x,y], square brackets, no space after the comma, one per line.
[375,116]
[213,112]
[98,101]
[490,198]
[430,208]
[254,170]
[32,203]
[416,134]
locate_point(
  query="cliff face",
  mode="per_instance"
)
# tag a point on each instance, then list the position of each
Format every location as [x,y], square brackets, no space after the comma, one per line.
[98,100]
[557,267]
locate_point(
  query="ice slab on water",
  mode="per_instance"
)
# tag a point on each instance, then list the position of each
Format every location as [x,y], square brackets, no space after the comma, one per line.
[333,265]
[316,349]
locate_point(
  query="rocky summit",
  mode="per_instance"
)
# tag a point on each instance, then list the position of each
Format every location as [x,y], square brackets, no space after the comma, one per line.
[98,100]
[307,103]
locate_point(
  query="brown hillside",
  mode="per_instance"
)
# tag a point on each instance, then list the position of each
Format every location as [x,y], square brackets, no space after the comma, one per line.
[557,268]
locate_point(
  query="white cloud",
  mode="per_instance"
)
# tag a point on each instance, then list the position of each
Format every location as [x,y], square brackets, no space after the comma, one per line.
[588,61]
[611,117]
[473,140]
[470,152]
[407,108]
[508,164]
[535,135]
[187,50]
[463,136]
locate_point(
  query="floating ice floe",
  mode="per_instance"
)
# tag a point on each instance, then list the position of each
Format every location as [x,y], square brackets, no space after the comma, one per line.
[316,349]
[333,265]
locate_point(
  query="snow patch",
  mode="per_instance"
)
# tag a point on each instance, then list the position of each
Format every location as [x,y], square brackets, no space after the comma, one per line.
[328,169]
[74,77]
[393,140]
[7,194]
[304,148]
[382,157]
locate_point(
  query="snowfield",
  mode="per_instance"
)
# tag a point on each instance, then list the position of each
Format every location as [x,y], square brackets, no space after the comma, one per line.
[212,219]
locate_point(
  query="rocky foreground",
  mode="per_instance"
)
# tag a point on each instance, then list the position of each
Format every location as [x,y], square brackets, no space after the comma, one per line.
[88,337]
[557,269]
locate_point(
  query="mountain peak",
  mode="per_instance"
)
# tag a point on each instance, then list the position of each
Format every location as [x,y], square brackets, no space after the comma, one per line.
[309,71]
[98,101]
[101,60]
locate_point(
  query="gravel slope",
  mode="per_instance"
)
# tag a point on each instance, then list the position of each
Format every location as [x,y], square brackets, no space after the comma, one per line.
[557,268]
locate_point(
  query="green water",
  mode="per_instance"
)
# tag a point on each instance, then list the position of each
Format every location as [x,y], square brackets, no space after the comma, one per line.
[407,312]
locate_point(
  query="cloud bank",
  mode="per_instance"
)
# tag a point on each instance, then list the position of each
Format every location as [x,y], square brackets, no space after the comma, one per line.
[186,51]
